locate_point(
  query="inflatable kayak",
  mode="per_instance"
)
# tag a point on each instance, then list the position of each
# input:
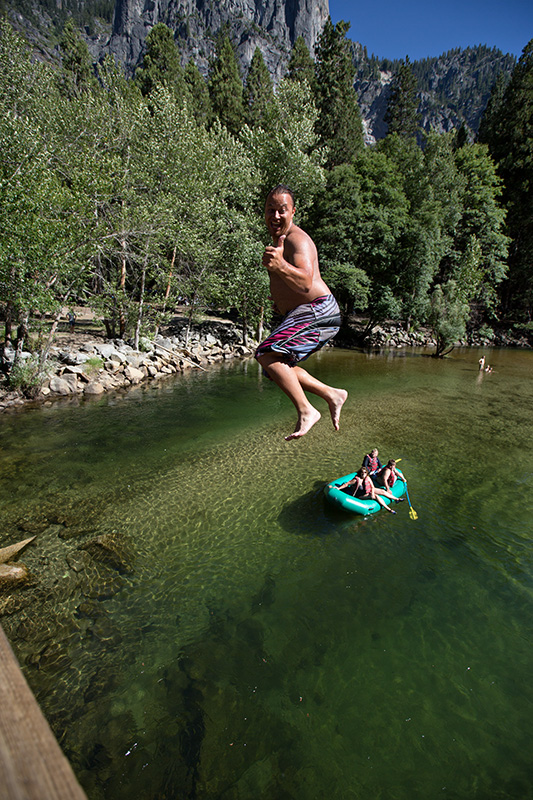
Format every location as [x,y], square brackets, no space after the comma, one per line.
[355,505]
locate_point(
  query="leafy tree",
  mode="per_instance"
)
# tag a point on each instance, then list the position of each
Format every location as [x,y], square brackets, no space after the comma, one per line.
[225,86]
[417,227]
[258,92]
[402,112]
[338,126]
[449,312]
[285,149]
[481,227]
[301,66]
[350,285]
[199,94]
[357,223]
[40,261]
[161,63]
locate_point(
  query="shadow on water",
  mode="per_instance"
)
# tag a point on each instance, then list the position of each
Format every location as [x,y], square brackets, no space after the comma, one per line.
[311,515]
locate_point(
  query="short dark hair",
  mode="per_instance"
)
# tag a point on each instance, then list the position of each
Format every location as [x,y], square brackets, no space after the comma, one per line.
[281,188]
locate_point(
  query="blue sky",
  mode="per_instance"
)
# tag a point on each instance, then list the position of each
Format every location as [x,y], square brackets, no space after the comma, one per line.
[421,28]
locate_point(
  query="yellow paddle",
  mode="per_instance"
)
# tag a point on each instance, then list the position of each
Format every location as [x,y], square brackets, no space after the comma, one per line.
[412,512]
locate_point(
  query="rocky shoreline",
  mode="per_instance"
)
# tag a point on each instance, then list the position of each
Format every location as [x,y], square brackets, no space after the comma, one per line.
[98,366]
[391,334]
[93,368]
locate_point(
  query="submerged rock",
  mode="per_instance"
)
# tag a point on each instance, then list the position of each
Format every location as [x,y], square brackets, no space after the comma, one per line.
[8,553]
[12,576]
[111,549]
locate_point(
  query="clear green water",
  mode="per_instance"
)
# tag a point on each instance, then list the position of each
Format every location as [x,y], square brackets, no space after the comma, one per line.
[264,645]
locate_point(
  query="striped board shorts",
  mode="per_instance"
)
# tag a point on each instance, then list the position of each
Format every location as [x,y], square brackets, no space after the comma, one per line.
[303,330]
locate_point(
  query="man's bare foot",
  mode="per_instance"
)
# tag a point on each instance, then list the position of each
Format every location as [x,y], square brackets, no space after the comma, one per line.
[304,424]
[335,405]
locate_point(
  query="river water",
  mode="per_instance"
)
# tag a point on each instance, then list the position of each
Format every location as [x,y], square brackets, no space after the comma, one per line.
[254,643]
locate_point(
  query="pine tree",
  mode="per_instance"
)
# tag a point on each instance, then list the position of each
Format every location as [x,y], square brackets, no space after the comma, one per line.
[402,112]
[198,94]
[339,126]
[301,66]
[76,75]
[161,63]
[493,109]
[508,133]
[258,92]
[225,86]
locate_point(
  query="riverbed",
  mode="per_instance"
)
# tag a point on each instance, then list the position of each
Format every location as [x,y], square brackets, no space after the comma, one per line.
[253,642]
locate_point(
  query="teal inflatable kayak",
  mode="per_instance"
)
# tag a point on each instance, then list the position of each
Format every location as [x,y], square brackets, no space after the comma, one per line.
[355,505]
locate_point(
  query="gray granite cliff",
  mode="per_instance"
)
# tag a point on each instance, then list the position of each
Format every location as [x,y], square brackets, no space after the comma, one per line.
[271,25]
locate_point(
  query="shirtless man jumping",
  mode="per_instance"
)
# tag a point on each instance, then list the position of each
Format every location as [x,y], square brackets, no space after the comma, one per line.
[311,314]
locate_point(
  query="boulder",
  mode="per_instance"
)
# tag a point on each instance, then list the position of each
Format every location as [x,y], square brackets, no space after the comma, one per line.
[94,388]
[60,385]
[110,352]
[133,375]
[12,576]
[9,552]
[111,549]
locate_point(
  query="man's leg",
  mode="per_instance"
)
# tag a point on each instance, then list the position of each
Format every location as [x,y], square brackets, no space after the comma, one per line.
[335,398]
[287,379]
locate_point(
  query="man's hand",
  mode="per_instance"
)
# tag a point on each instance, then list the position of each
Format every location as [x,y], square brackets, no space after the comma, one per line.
[273,256]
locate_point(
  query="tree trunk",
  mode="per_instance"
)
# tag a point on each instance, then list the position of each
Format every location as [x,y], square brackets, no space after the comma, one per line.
[244,323]
[43,355]
[141,301]
[9,323]
[122,290]
[170,274]
[260,324]
[22,331]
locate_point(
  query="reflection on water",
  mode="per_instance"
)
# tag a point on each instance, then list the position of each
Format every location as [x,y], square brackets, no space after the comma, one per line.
[202,625]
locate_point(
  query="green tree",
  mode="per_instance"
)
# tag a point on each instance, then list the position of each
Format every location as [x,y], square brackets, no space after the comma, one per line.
[418,240]
[448,315]
[198,93]
[41,261]
[481,229]
[225,86]
[339,125]
[76,74]
[301,66]
[285,150]
[258,92]
[402,114]
[161,63]
[493,108]
[507,131]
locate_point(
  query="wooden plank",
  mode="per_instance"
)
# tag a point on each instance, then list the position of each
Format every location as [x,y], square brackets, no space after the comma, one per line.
[32,765]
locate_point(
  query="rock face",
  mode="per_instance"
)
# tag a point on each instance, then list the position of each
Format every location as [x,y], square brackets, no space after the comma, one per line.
[453,89]
[267,24]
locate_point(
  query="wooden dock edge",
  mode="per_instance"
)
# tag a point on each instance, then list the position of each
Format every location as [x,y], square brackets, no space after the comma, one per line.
[32,764]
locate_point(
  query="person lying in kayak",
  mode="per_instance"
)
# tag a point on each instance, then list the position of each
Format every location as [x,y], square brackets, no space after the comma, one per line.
[364,489]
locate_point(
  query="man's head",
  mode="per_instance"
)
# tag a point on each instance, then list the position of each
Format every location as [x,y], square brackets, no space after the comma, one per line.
[279,211]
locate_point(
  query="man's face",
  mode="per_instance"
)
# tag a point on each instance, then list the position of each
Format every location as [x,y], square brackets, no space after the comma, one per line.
[279,211]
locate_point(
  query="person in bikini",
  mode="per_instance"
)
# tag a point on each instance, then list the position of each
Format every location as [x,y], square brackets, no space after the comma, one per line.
[364,489]
[311,315]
